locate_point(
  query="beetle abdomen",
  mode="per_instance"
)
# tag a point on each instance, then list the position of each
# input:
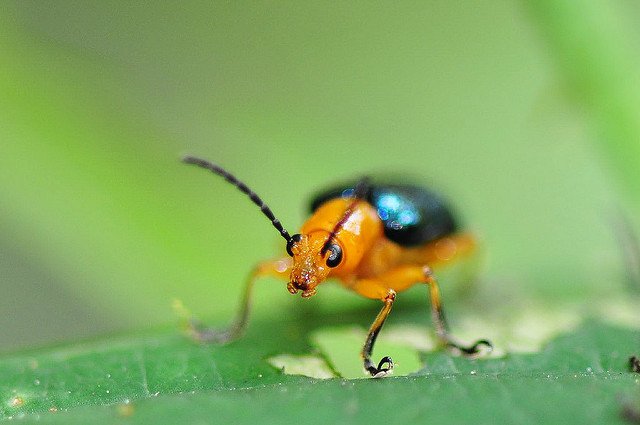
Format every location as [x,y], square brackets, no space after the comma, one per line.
[412,215]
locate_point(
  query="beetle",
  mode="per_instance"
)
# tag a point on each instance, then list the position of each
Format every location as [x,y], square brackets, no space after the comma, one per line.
[376,239]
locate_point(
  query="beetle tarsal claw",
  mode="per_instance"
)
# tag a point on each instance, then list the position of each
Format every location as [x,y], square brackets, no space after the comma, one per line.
[381,371]
[474,349]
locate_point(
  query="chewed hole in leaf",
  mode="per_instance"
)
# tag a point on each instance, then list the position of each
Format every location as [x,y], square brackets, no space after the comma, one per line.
[306,365]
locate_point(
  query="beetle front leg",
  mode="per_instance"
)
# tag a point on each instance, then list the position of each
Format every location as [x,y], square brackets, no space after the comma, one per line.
[380,370]
[377,290]
[200,333]
[439,321]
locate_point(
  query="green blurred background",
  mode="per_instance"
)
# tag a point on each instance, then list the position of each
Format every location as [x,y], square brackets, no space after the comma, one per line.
[495,103]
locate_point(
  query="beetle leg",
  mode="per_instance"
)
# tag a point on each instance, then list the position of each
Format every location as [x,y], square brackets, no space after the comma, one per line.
[380,370]
[439,321]
[377,290]
[200,333]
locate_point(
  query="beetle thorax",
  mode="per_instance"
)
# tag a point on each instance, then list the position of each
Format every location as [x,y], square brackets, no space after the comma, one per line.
[309,264]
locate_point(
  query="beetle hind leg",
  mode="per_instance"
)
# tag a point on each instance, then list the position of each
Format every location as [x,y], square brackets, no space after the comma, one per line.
[440,323]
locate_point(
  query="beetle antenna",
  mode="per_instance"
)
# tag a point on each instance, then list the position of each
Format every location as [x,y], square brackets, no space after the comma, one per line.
[188,159]
[359,193]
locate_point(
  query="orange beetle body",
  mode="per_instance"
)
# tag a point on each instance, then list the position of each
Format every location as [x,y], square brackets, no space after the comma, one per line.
[348,239]
[367,252]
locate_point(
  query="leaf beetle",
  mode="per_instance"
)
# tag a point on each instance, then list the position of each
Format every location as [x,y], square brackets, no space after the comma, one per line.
[376,239]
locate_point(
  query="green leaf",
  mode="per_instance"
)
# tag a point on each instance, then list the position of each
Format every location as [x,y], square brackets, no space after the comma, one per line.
[580,377]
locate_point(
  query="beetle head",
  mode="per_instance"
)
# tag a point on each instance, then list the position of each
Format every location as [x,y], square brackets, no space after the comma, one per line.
[312,261]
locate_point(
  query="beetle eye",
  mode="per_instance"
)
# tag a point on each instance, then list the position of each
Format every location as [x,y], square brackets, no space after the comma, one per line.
[294,239]
[336,255]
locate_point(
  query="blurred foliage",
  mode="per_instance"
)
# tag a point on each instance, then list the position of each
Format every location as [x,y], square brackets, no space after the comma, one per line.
[595,55]
[102,227]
